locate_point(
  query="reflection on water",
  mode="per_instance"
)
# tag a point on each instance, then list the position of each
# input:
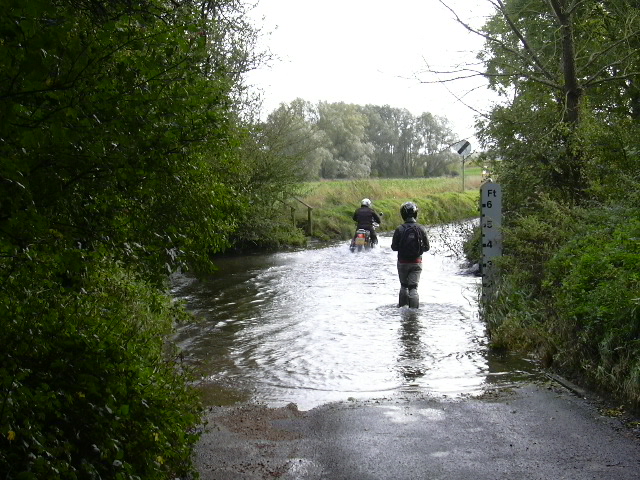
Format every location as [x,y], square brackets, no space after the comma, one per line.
[322,325]
[412,360]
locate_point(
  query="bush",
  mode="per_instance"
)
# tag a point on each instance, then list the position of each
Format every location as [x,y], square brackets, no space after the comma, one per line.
[595,281]
[87,386]
[472,245]
[569,290]
[517,316]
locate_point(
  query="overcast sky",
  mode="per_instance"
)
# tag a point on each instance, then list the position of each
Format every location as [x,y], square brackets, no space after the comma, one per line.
[370,52]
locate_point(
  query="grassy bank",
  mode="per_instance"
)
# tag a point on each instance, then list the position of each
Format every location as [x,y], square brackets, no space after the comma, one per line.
[440,200]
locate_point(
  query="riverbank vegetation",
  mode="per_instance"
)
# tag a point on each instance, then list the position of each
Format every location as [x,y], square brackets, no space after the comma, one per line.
[564,146]
[119,163]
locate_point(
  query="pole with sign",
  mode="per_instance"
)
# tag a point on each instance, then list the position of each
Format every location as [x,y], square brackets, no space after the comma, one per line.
[490,224]
[462,148]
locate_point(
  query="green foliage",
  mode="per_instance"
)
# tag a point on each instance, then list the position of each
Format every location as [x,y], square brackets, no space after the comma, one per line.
[516,316]
[270,226]
[87,386]
[120,160]
[291,135]
[572,114]
[107,131]
[569,289]
[338,140]
[613,159]
[268,181]
[595,283]
[351,151]
[564,148]
[472,245]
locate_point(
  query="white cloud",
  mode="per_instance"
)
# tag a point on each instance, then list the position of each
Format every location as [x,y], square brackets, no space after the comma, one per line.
[370,52]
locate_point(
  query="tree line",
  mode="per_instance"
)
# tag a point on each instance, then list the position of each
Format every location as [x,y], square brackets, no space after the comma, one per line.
[340,140]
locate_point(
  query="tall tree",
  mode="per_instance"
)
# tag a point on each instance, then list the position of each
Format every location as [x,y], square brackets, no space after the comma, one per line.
[383,134]
[434,136]
[344,126]
[407,153]
[561,61]
[291,132]
[117,126]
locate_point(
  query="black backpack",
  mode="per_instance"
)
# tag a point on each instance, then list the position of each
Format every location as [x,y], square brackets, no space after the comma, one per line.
[412,242]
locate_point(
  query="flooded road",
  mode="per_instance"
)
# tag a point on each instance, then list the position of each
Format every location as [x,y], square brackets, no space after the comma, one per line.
[322,325]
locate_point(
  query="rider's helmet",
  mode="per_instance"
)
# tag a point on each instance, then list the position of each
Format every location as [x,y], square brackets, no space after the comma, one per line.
[409,210]
[365,202]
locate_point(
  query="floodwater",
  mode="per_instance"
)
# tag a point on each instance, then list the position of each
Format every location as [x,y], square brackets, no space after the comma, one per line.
[322,325]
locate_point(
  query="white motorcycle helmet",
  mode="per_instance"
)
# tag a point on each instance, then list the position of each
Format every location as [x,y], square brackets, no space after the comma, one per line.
[365,202]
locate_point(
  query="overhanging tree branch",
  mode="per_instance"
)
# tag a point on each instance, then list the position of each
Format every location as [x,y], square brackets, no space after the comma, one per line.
[535,60]
[530,59]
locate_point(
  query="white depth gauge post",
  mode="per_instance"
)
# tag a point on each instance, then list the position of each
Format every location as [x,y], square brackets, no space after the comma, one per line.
[490,224]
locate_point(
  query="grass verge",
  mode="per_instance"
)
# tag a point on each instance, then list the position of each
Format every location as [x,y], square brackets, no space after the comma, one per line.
[440,200]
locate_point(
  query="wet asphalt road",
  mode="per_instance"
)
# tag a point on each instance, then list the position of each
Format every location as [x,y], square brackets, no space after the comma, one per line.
[531,432]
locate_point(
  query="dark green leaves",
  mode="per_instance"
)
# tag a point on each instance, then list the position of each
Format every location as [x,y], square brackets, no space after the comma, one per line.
[118,165]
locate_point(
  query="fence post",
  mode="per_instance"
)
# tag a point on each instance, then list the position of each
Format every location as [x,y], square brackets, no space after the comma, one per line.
[309,217]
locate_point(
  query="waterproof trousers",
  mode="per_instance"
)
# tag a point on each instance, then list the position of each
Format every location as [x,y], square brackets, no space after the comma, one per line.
[409,274]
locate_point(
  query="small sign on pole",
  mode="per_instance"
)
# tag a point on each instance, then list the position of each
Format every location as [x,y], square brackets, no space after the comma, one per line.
[462,148]
[491,226]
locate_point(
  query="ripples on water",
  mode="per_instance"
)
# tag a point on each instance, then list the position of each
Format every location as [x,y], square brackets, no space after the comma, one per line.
[322,325]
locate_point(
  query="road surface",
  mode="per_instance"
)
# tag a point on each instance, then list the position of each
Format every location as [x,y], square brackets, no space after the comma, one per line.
[534,431]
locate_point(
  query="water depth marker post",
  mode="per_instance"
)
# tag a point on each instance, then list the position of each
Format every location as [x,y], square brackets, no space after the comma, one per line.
[491,225]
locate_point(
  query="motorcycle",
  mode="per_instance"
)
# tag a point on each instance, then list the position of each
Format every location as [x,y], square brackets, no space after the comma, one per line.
[362,239]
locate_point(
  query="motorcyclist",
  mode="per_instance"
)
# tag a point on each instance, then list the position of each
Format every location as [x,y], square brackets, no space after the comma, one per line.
[365,216]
